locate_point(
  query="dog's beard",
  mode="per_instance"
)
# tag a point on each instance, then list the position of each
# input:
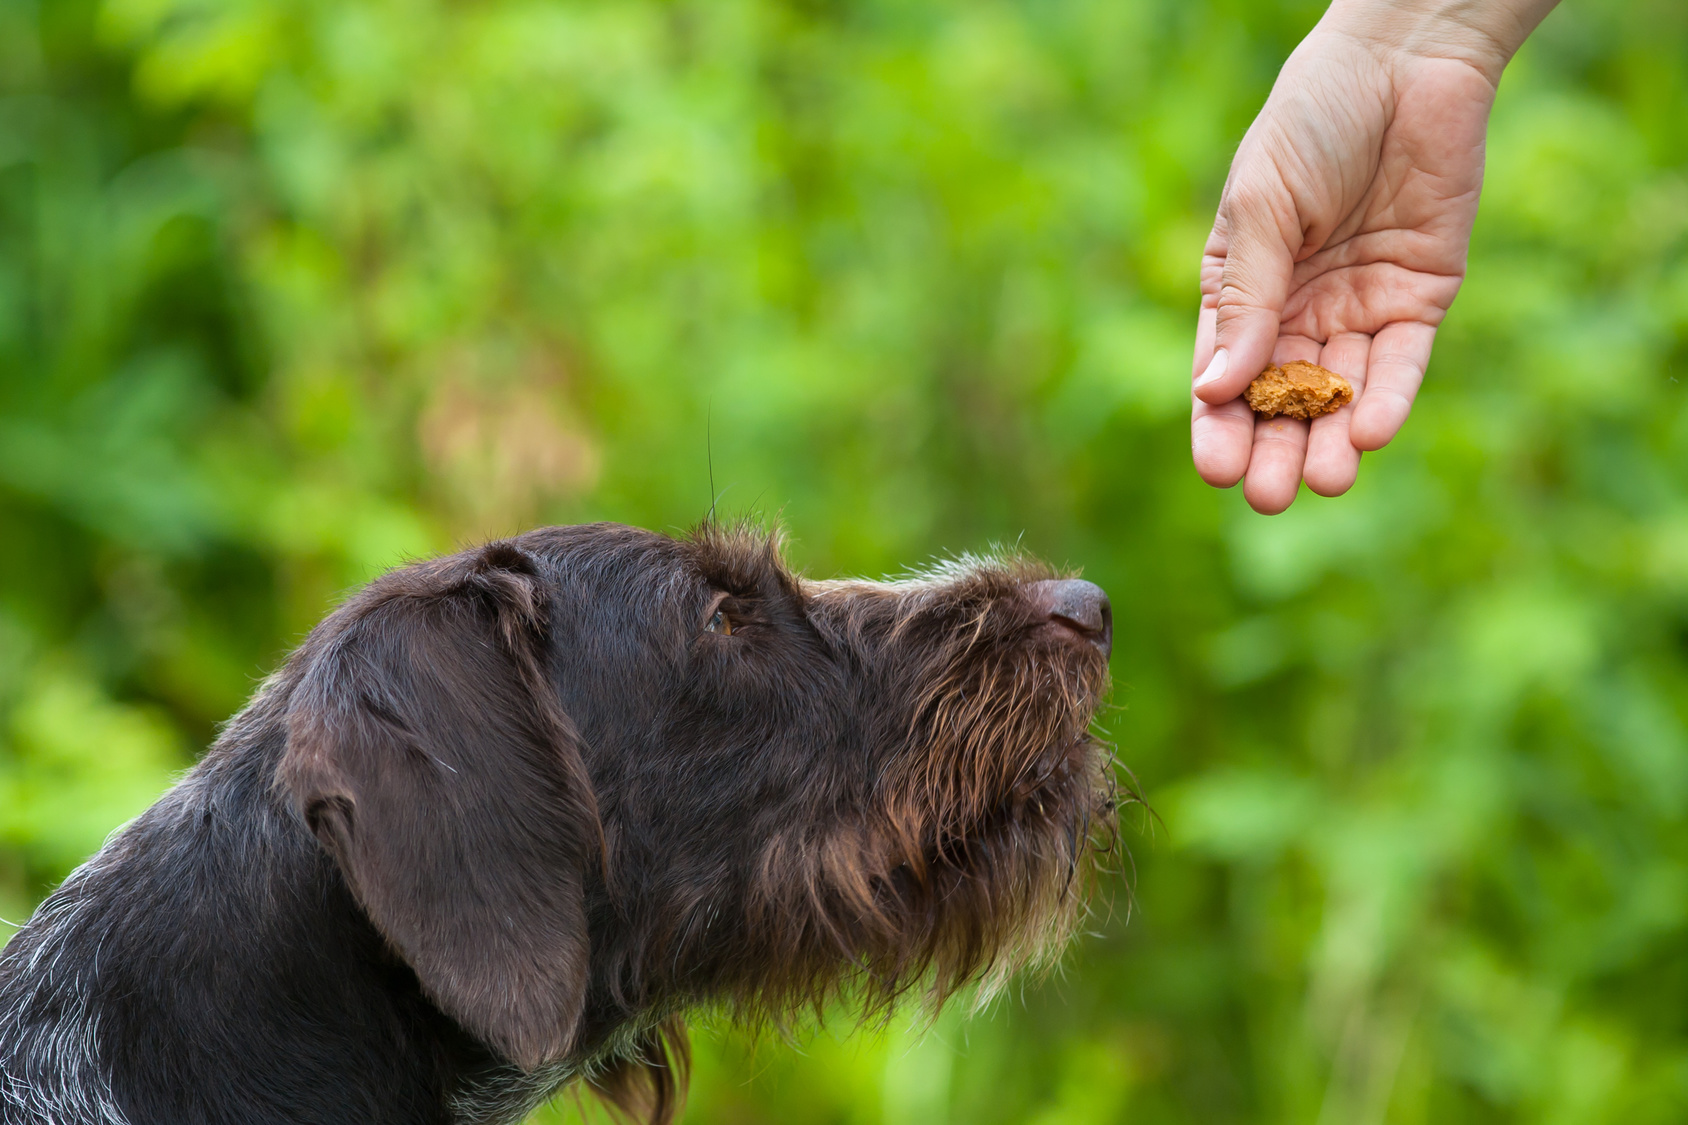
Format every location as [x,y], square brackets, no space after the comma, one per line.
[976,858]
[999,814]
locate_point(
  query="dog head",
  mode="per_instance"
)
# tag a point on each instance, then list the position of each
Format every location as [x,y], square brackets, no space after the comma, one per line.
[593,775]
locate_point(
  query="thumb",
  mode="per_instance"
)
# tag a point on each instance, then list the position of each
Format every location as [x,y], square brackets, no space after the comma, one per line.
[1252,286]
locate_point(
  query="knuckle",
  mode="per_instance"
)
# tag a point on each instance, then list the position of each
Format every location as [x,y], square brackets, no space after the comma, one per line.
[1255,202]
[1236,299]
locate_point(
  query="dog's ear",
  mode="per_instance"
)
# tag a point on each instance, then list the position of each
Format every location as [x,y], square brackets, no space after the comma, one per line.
[428,755]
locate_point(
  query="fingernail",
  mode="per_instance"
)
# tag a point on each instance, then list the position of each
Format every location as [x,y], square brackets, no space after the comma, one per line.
[1215,368]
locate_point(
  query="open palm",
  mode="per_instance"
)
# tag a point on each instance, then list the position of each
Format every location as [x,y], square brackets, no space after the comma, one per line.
[1341,238]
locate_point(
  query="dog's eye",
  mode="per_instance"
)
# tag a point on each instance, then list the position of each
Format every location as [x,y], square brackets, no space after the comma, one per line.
[719,622]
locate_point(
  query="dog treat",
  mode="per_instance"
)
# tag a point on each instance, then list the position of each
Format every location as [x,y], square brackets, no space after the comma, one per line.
[1298,389]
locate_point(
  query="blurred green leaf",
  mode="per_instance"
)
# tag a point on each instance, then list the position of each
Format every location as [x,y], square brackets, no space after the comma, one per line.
[291,292]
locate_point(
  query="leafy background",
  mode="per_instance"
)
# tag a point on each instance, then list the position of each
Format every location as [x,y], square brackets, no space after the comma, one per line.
[292,290]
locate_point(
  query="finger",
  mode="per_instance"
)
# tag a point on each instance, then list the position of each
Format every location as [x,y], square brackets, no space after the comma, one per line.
[1220,440]
[1253,284]
[1332,460]
[1220,436]
[1394,373]
[1274,466]
[1290,348]
[1204,339]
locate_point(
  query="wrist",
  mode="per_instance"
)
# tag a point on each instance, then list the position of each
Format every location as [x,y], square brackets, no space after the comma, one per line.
[1483,33]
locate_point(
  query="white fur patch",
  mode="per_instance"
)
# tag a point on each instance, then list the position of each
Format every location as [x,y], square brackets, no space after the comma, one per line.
[51,1073]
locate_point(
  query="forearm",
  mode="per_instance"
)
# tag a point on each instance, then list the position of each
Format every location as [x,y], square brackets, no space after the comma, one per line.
[1485,33]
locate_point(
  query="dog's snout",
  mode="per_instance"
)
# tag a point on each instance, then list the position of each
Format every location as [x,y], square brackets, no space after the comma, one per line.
[1079,605]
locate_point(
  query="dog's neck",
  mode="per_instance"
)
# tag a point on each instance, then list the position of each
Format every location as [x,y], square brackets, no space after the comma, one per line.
[180,977]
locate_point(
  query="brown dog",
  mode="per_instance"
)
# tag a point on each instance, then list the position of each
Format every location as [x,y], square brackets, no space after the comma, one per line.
[504,816]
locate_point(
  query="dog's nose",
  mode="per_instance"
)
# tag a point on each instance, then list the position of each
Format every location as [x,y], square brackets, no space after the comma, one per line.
[1079,605]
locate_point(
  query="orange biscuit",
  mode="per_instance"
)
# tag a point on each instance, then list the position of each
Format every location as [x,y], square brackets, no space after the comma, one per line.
[1298,389]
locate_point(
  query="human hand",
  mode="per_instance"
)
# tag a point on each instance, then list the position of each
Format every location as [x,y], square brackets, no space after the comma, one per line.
[1342,233]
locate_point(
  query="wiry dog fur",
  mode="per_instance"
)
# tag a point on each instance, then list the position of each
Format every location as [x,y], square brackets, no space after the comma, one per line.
[505,816]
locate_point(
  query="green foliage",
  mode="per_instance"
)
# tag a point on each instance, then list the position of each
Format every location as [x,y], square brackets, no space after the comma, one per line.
[291,291]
